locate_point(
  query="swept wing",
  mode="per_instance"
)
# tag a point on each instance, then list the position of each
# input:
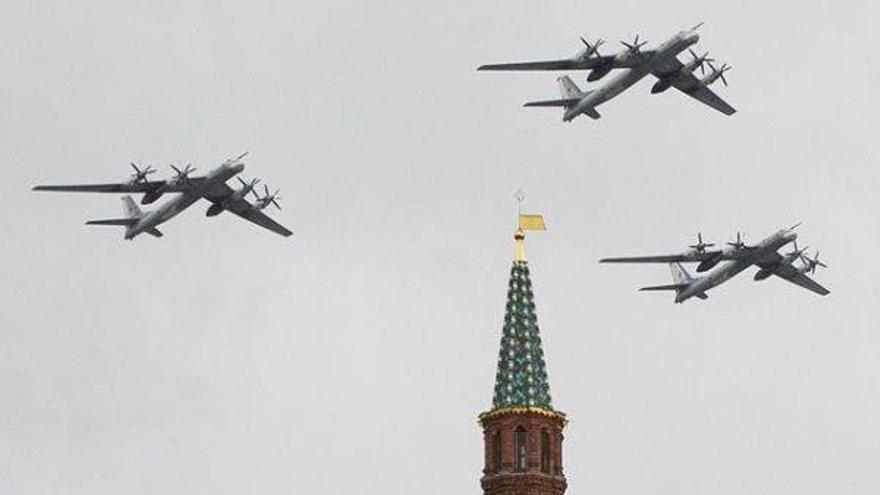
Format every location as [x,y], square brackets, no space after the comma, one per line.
[793,275]
[129,187]
[688,84]
[688,257]
[578,62]
[220,192]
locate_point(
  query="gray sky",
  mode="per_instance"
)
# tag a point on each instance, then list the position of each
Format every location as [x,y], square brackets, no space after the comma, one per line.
[355,356]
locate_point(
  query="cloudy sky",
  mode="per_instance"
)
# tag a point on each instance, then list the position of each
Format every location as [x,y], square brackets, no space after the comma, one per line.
[354,356]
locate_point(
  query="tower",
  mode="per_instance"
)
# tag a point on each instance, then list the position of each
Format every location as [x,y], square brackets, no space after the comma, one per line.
[522,433]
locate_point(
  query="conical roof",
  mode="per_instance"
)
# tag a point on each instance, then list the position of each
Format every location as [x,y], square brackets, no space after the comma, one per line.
[521,380]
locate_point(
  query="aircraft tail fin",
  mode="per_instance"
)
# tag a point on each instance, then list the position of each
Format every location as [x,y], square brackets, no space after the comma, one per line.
[679,274]
[133,216]
[131,208]
[568,89]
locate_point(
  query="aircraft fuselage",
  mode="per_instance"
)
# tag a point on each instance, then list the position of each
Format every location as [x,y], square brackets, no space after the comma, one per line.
[625,78]
[170,209]
[748,256]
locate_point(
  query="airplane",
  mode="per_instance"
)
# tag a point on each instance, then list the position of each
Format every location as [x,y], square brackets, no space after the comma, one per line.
[635,64]
[211,187]
[738,256]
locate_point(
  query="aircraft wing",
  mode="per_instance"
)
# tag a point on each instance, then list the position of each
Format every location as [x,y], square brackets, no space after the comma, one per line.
[794,276]
[243,209]
[127,187]
[672,258]
[686,257]
[578,62]
[688,84]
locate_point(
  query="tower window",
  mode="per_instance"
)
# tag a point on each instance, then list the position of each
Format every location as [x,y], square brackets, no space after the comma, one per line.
[519,436]
[545,451]
[496,451]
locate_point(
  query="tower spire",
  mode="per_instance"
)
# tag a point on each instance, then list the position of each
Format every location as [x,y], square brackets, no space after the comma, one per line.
[522,433]
[521,379]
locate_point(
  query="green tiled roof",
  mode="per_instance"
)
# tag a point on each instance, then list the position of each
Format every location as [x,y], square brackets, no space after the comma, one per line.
[521,379]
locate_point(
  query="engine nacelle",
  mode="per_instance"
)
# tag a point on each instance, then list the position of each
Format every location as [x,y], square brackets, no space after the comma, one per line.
[599,72]
[214,210]
[661,86]
[762,274]
[151,196]
[709,263]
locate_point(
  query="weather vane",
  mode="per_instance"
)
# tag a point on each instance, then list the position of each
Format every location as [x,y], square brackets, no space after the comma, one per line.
[520,197]
[525,222]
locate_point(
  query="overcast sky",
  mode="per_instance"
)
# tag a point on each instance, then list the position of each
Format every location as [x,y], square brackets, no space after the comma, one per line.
[355,356]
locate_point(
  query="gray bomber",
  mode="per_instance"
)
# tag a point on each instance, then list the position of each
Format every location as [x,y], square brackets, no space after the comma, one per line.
[211,187]
[738,256]
[635,64]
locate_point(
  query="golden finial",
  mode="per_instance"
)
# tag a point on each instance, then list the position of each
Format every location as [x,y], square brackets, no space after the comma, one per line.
[526,222]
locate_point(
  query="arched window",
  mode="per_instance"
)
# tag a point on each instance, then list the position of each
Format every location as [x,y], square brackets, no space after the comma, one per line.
[496,451]
[519,441]
[545,451]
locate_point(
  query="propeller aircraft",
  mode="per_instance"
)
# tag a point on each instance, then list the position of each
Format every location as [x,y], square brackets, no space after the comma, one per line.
[792,266]
[635,63]
[211,187]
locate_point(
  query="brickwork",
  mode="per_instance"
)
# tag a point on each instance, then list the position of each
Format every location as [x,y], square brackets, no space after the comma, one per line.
[537,477]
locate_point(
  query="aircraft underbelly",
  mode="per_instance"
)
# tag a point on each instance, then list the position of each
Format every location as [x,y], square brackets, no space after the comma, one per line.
[621,84]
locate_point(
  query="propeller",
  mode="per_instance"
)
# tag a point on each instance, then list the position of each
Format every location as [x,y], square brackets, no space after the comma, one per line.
[797,253]
[183,175]
[269,198]
[811,264]
[700,60]
[248,187]
[701,246]
[141,175]
[738,244]
[635,47]
[592,49]
[716,73]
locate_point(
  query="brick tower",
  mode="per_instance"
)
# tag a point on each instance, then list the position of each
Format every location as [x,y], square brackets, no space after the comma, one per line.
[522,433]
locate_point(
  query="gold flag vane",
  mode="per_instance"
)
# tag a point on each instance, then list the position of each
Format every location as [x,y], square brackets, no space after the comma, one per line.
[526,222]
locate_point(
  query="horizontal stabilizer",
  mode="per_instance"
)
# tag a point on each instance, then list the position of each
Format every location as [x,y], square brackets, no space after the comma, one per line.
[567,103]
[666,287]
[125,222]
[155,232]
